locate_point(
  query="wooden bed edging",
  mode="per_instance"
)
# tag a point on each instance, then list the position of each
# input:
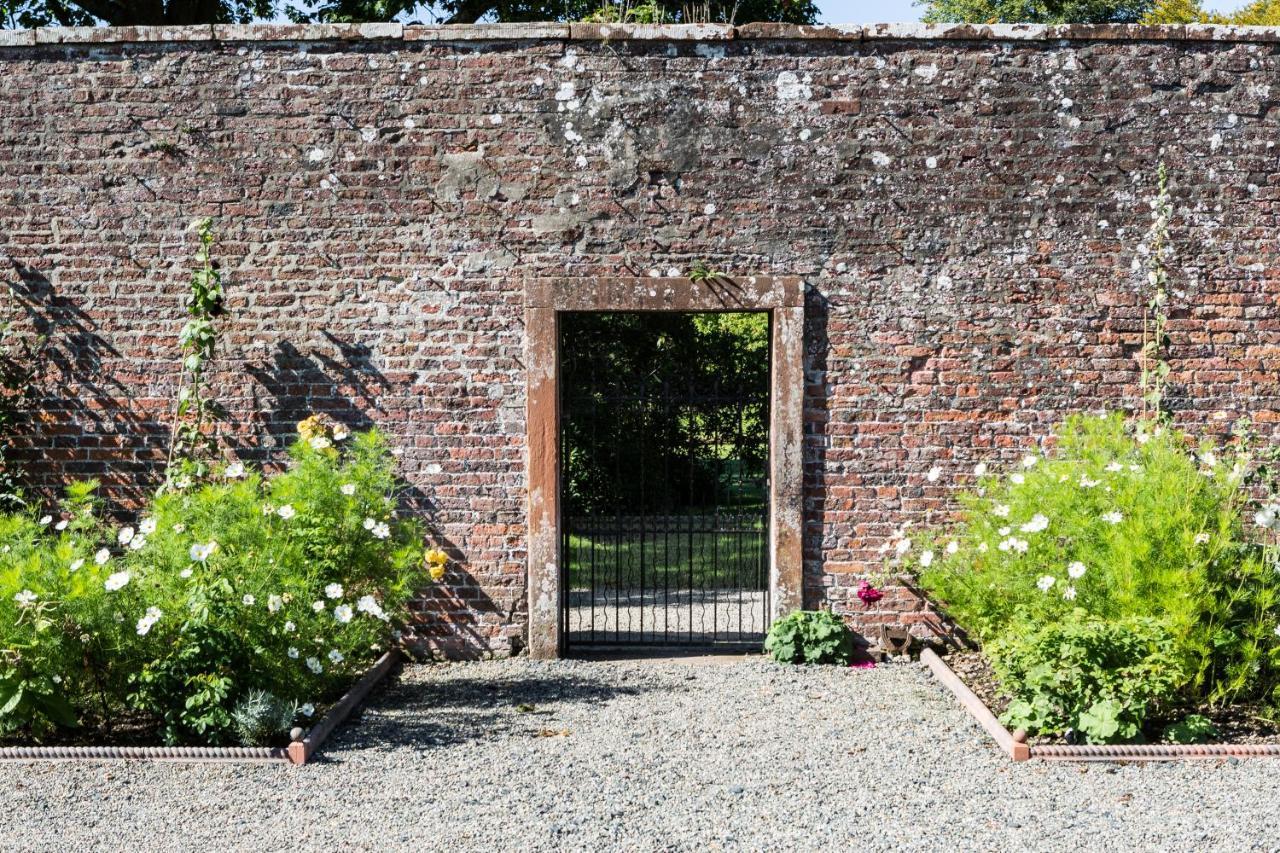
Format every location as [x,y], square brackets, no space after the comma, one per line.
[1014,749]
[297,752]
[1019,751]
[302,750]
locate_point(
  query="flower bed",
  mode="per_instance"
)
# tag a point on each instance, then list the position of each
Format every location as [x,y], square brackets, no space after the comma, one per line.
[233,610]
[1123,586]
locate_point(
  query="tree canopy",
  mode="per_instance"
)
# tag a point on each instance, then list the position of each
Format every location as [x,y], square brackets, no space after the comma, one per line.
[67,13]
[1036,11]
[1258,13]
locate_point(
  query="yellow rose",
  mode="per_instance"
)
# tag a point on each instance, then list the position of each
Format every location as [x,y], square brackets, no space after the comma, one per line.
[436,571]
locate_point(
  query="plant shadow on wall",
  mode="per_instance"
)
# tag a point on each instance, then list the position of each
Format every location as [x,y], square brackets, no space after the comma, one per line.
[1122,583]
[71,400]
[817,419]
[346,386]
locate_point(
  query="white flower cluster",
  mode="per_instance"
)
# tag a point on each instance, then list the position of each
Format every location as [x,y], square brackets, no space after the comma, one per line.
[1268,517]
[379,529]
[150,618]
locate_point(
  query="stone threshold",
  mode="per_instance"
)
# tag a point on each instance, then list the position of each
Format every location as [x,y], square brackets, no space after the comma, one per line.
[267,33]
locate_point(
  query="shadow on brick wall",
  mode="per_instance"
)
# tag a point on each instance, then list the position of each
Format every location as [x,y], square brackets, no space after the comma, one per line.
[816,417]
[82,413]
[454,618]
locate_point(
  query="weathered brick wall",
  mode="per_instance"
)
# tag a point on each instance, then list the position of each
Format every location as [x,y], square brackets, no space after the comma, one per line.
[964,207]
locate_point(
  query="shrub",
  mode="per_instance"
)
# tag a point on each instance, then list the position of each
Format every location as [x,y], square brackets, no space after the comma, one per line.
[261,716]
[1119,522]
[810,636]
[1097,677]
[1193,728]
[289,584]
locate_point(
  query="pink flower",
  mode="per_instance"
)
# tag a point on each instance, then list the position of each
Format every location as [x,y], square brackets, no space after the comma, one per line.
[869,594]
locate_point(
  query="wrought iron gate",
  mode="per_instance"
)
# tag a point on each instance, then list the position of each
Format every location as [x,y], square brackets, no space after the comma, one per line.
[665,453]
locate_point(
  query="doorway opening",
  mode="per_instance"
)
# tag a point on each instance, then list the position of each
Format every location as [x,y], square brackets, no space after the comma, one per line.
[664,477]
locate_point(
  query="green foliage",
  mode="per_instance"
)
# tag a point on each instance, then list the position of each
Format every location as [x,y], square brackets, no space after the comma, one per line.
[625,13]
[1258,13]
[288,584]
[1098,677]
[22,363]
[663,377]
[1155,341]
[1035,11]
[1122,521]
[1193,728]
[810,636]
[261,717]
[194,443]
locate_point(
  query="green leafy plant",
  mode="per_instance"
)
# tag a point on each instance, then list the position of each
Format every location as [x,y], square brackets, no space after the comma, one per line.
[1193,728]
[246,583]
[701,271]
[194,443]
[1155,339]
[810,636]
[22,364]
[1098,677]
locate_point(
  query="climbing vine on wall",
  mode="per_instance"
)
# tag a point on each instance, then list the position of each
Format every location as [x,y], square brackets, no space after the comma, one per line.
[1159,250]
[194,440]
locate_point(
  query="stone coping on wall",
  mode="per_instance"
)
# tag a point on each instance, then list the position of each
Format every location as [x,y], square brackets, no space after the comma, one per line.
[265,33]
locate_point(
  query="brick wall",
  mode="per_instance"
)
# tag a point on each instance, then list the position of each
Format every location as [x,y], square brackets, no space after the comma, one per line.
[964,204]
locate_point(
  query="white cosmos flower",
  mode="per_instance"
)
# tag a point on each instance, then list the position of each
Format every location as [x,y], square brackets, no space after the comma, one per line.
[1112,517]
[369,523]
[307,709]
[125,536]
[980,470]
[248,600]
[1017,479]
[1004,531]
[200,553]
[61,525]
[102,556]
[185,573]
[342,613]
[313,664]
[926,559]
[76,564]
[1029,461]
[1113,467]
[903,546]
[340,432]
[369,604]
[1209,460]
[953,546]
[26,598]
[292,652]
[1202,538]
[289,627]
[348,489]
[286,512]
[153,615]
[147,526]
[318,606]
[179,528]
[1076,570]
[1268,517]
[934,473]
[274,603]
[335,656]
[1045,582]
[234,471]
[1000,510]
[138,543]
[1142,438]
[1069,593]
[268,509]
[45,519]
[320,443]
[1005,544]
[1085,482]
[983,546]
[1037,523]
[116,581]
[333,590]
[381,530]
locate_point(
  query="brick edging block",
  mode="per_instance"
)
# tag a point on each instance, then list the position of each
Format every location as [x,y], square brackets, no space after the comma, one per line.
[632,32]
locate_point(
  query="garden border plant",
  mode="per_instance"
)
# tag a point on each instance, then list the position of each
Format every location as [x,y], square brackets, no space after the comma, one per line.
[235,606]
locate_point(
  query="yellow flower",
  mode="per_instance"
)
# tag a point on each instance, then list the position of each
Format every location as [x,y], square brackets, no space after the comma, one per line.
[436,571]
[437,557]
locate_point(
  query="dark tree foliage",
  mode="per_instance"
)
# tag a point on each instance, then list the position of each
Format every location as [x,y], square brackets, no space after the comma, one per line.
[40,13]
[663,411]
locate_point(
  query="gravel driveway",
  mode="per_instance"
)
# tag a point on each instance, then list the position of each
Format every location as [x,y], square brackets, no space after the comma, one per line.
[649,755]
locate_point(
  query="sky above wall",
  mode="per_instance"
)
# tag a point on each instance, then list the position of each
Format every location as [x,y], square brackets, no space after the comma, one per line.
[893,11]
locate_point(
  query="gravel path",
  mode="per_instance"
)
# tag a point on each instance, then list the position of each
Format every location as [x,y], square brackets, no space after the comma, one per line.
[649,755]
